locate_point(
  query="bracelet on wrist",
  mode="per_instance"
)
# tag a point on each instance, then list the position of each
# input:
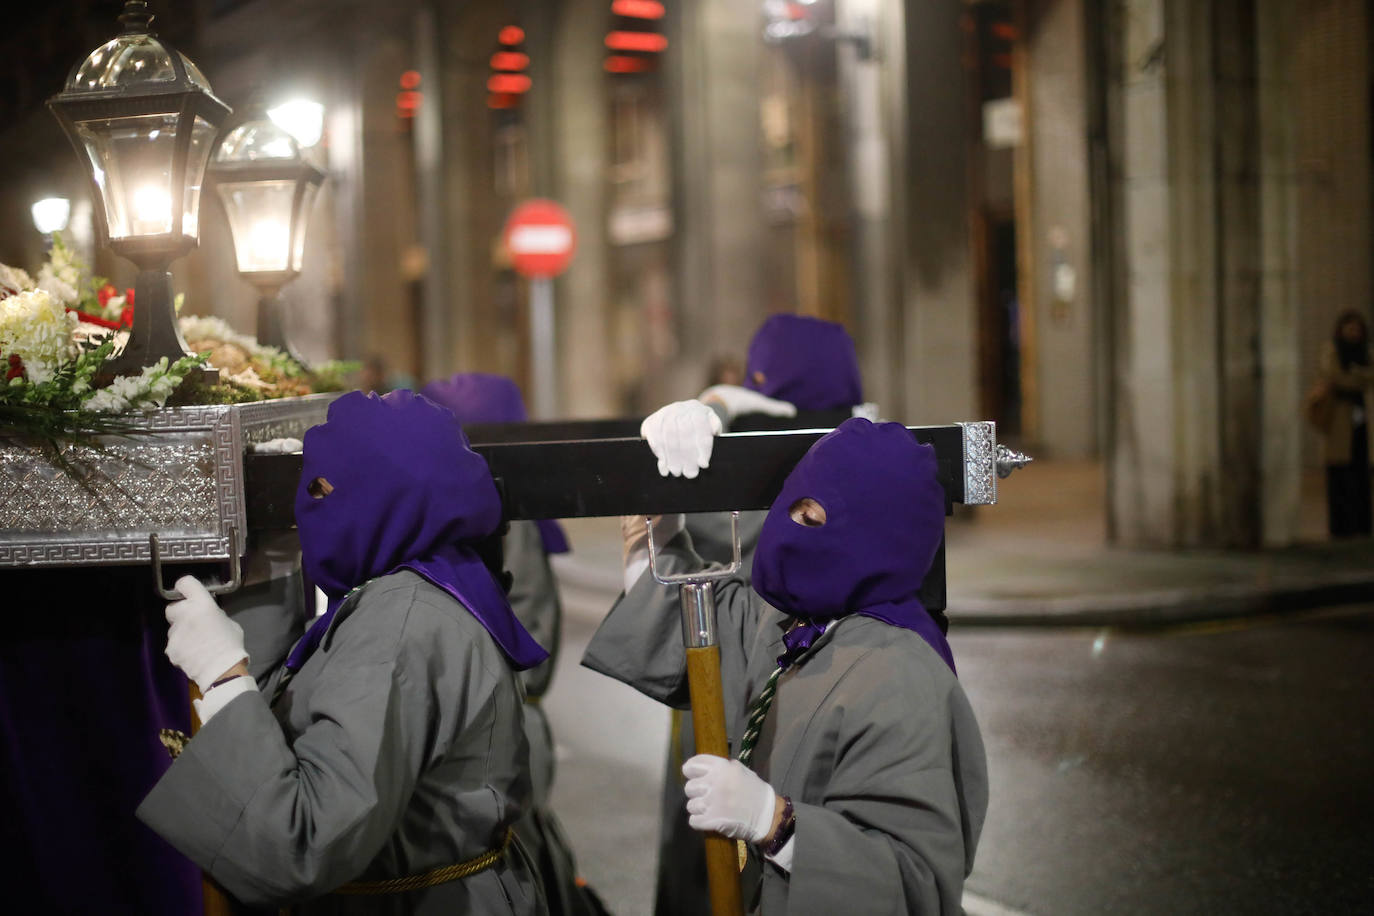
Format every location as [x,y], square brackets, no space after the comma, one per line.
[786,827]
[224,680]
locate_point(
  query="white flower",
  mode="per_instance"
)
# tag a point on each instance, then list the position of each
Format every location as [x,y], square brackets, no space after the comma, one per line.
[60,283]
[15,279]
[36,326]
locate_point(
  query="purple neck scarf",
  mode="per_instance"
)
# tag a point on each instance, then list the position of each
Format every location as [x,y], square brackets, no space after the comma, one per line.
[479,397]
[805,361]
[885,516]
[408,494]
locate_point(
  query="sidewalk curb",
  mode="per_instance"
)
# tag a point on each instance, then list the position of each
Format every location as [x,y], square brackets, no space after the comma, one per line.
[1156,609]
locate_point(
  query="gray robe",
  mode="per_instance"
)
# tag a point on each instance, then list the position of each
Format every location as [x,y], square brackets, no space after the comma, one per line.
[534,598]
[871,736]
[398,748]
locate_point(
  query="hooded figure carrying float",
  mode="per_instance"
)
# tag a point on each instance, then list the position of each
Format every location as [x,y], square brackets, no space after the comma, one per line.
[795,362]
[863,781]
[381,768]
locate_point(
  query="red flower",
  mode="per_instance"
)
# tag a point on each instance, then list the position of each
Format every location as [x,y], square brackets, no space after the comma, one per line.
[106,293]
[16,367]
[95,319]
[129,297]
[126,317]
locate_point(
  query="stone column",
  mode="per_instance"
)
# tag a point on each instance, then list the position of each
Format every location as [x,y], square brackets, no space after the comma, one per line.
[712,84]
[580,164]
[1198,454]
[938,360]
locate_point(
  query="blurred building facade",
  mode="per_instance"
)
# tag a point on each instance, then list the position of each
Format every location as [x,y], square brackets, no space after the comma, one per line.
[1122,230]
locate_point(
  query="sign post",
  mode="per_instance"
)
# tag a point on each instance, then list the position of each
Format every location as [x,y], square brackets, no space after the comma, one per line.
[540,237]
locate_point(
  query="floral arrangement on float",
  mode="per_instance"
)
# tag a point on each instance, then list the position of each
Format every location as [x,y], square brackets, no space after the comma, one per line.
[58,329]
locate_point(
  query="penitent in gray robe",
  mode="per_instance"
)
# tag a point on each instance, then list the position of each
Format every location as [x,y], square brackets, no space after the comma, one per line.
[398,748]
[534,598]
[871,736]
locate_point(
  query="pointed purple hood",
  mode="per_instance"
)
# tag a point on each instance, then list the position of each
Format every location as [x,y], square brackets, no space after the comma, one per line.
[408,493]
[479,397]
[805,361]
[885,517]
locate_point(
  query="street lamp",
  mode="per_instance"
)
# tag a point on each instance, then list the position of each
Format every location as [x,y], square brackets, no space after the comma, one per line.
[51,214]
[143,119]
[267,187]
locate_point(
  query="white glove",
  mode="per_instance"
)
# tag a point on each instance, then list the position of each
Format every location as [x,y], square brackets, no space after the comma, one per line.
[203,641]
[635,535]
[737,400]
[724,796]
[681,435]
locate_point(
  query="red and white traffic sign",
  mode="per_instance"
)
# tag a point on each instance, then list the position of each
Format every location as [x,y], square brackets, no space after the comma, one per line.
[540,237]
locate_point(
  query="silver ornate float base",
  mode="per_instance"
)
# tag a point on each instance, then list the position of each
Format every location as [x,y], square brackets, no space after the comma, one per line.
[179,476]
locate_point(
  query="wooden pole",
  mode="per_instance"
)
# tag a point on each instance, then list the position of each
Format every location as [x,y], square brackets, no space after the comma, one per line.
[217,902]
[708,719]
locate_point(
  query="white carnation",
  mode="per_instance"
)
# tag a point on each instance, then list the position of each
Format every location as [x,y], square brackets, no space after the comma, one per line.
[39,329]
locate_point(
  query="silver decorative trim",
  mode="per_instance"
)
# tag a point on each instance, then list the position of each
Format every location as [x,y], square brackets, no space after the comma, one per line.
[180,477]
[980,463]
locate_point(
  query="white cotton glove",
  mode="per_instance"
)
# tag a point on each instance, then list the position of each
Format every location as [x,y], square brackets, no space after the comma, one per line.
[681,435]
[203,641]
[724,796]
[635,536]
[738,400]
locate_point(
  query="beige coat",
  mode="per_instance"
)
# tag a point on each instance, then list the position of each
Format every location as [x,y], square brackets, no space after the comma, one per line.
[1336,438]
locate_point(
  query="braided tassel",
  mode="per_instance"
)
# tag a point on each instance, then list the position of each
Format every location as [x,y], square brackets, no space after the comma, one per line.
[757,714]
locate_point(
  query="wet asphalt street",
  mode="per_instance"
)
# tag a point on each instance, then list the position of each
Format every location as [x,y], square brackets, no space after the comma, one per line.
[1206,770]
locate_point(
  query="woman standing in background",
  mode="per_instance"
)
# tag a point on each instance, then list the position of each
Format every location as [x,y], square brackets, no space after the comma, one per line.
[1346,369]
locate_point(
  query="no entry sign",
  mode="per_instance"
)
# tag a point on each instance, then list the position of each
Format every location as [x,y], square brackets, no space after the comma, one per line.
[540,238]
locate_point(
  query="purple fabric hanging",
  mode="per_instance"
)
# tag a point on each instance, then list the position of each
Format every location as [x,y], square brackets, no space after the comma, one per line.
[480,397]
[84,690]
[885,516]
[408,493]
[805,361]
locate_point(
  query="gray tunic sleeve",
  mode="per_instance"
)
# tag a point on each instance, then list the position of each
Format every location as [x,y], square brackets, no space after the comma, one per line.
[276,822]
[891,835]
[640,641]
[534,598]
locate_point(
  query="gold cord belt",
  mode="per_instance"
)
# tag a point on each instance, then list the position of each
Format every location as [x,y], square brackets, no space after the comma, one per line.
[443,875]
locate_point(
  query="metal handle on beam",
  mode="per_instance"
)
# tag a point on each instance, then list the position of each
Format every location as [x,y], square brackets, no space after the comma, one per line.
[214,588]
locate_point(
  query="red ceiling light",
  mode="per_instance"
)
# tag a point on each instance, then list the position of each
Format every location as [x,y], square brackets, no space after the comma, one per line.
[511,35]
[509,60]
[637,9]
[502,100]
[508,83]
[410,79]
[621,63]
[1004,30]
[636,41]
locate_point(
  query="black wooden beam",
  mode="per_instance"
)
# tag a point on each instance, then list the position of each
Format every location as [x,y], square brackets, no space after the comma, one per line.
[602,477]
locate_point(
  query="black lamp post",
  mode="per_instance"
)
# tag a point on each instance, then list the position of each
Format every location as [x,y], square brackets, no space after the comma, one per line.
[143,120]
[267,187]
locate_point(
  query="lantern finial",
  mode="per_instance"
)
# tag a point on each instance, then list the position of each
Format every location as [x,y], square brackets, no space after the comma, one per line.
[136,17]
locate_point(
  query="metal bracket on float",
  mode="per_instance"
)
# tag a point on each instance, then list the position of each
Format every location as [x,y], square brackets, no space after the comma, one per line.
[214,588]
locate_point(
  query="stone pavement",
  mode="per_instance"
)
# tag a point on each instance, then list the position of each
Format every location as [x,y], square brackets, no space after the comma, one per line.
[1040,557]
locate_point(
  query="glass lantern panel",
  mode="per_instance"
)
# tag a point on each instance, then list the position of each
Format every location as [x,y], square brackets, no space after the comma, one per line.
[302,220]
[202,139]
[131,162]
[256,141]
[193,73]
[260,219]
[125,61]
